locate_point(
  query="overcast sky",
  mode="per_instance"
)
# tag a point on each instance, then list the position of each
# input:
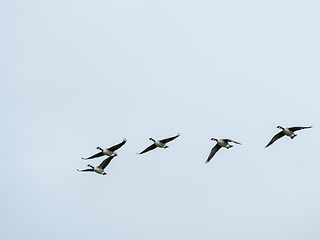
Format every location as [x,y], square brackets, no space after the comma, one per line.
[80,74]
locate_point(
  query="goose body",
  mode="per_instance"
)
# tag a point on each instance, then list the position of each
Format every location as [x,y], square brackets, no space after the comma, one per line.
[108,152]
[99,169]
[159,143]
[286,132]
[224,143]
[220,143]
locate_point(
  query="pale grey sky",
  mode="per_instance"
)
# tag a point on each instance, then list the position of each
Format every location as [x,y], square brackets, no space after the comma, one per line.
[80,74]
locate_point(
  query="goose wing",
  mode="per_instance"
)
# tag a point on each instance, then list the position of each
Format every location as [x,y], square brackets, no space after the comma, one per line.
[275,138]
[100,154]
[293,129]
[229,140]
[213,152]
[85,170]
[169,139]
[116,147]
[105,162]
[151,147]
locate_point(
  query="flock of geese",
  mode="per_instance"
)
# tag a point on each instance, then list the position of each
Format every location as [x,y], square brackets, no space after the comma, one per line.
[110,152]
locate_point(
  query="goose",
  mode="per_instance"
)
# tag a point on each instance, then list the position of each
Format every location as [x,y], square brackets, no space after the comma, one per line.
[109,151]
[286,131]
[220,143]
[159,143]
[100,168]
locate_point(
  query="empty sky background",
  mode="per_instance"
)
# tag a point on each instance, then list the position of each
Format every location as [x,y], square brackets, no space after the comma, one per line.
[80,74]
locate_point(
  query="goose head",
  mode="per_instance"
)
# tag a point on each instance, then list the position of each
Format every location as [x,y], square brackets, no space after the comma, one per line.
[100,149]
[152,139]
[214,139]
[280,127]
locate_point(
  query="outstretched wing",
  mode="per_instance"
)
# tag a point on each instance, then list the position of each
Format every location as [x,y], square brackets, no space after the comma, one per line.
[293,129]
[85,170]
[214,150]
[275,138]
[229,140]
[151,147]
[105,162]
[100,154]
[169,139]
[116,147]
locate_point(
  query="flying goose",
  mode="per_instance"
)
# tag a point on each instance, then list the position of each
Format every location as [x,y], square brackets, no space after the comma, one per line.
[159,143]
[220,143]
[286,131]
[100,168]
[109,151]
